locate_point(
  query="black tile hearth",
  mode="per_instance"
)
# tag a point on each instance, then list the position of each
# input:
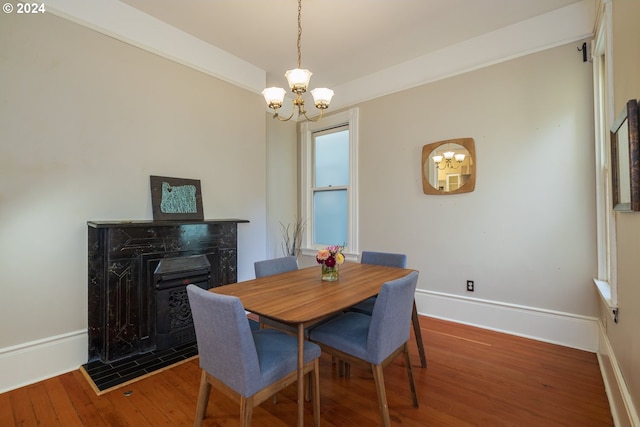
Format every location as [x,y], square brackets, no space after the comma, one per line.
[109,375]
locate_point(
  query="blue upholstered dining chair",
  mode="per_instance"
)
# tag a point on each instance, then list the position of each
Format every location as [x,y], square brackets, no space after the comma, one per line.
[248,367]
[366,306]
[269,267]
[375,340]
[378,258]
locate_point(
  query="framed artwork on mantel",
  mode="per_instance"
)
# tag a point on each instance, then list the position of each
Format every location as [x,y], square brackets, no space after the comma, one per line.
[176,199]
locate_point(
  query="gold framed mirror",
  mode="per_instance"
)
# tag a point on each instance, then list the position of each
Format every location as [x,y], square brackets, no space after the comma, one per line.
[449,167]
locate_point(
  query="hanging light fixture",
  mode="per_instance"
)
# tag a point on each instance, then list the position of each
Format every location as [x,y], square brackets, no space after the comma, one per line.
[448,157]
[298,79]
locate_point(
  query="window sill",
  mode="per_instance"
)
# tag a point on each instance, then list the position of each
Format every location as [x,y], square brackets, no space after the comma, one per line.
[604,289]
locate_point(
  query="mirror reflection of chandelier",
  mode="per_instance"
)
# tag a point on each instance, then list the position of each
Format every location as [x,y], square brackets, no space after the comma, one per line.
[448,156]
[298,79]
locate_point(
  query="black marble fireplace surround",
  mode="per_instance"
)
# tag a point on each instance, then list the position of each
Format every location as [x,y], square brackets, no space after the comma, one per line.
[126,275]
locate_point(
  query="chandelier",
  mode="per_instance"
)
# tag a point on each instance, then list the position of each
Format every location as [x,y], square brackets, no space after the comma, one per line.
[448,156]
[298,79]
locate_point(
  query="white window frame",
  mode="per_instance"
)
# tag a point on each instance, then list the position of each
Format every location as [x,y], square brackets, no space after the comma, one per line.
[602,54]
[307,129]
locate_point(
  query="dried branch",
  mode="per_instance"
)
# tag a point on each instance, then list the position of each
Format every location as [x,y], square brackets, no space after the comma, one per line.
[292,237]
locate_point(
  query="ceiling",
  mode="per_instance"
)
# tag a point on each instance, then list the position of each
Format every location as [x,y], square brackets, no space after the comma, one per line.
[342,40]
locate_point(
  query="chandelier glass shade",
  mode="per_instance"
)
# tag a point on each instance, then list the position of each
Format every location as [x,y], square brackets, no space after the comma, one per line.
[298,79]
[448,156]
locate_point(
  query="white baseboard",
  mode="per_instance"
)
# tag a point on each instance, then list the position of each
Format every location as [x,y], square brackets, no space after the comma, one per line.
[35,361]
[565,329]
[622,409]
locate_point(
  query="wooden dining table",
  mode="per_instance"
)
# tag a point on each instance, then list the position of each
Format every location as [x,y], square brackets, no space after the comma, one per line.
[301,299]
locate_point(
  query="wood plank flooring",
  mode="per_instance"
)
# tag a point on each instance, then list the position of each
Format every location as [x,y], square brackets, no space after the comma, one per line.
[474,377]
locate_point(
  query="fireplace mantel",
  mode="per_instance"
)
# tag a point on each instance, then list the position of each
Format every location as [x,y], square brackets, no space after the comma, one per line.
[145,223]
[122,257]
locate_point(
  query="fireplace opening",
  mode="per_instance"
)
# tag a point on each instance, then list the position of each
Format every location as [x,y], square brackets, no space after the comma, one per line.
[174,324]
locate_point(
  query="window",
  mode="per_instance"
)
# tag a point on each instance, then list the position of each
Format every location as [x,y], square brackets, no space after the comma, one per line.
[329,183]
[604,114]
[330,186]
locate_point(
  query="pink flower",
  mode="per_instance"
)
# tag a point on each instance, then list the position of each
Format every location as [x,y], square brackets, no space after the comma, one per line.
[322,255]
[330,262]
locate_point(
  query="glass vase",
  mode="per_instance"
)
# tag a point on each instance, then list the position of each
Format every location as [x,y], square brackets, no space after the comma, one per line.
[329,274]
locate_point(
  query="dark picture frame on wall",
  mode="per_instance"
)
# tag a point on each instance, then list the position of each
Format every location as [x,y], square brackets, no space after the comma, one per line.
[176,199]
[625,159]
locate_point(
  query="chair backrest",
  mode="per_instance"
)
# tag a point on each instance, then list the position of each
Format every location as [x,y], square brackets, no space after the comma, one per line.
[270,267]
[225,342]
[384,258]
[391,317]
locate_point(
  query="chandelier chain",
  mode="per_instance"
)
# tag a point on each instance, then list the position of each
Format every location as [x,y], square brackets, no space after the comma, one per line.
[299,33]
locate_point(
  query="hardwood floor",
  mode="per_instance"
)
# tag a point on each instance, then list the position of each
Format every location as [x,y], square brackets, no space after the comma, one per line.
[474,377]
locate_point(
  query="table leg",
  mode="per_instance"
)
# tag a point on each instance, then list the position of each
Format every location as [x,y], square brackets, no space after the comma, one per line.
[300,375]
[418,333]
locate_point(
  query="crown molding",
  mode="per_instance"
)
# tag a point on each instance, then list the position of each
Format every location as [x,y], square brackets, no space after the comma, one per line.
[123,22]
[561,26]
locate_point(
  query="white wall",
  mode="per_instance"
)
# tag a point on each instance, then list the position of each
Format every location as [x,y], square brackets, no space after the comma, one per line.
[84,121]
[281,183]
[623,340]
[526,235]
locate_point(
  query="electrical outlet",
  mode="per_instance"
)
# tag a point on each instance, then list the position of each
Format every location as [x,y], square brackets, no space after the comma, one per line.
[470,286]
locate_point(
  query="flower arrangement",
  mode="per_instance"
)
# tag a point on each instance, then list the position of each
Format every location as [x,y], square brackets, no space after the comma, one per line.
[330,257]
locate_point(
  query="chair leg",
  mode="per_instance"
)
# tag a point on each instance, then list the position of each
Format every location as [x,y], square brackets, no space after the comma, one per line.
[418,333]
[315,381]
[203,399]
[382,394]
[246,410]
[412,385]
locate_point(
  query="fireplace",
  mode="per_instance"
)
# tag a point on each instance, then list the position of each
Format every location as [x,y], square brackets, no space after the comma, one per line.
[174,325]
[137,275]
